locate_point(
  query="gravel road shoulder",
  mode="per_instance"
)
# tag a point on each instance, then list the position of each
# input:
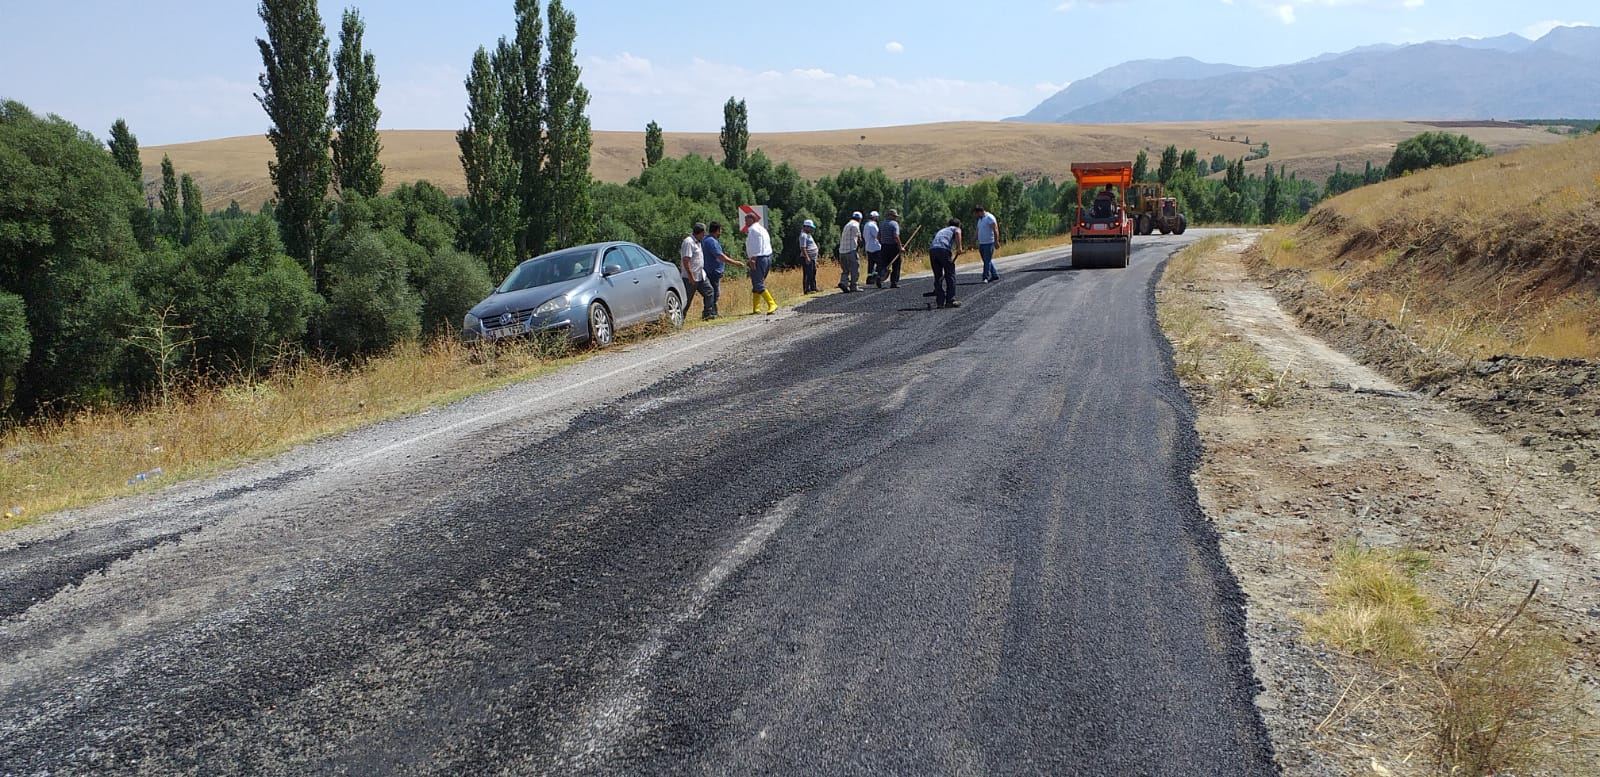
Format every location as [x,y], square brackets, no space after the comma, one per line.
[1333,450]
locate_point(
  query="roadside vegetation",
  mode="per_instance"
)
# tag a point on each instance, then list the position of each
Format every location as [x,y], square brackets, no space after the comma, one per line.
[1483,691]
[1222,368]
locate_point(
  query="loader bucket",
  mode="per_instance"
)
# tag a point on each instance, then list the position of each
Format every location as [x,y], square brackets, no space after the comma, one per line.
[1100,252]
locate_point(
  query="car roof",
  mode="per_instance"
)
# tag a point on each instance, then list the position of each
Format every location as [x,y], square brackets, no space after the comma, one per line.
[590,247]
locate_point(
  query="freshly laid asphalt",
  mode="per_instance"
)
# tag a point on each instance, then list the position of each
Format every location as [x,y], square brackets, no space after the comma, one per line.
[860,537]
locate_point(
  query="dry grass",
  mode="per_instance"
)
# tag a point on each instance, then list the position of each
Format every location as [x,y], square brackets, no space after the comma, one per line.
[236,168]
[1375,607]
[90,455]
[1495,696]
[1502,708]
[1494,257]
[1215,366]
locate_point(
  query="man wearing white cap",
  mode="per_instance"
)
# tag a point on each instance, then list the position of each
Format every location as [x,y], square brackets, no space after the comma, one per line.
[809,253]
[850,253]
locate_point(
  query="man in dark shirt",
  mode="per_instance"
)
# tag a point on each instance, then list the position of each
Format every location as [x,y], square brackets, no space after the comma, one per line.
[889,260]
[716,262]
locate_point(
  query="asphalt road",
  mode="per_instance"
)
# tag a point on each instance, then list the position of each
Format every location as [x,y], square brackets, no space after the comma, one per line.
[861,537]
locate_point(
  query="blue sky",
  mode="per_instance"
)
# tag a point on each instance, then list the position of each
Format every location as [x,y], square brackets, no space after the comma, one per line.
[184,70]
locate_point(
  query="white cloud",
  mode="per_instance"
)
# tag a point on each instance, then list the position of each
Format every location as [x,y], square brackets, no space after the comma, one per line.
[1537,31]
[628,92]
[894,47]
[1285,13]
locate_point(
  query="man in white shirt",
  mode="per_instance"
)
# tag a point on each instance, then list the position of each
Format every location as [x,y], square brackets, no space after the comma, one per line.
[850,253]
[758,251]
[693,269]
[869,236]
[810,252]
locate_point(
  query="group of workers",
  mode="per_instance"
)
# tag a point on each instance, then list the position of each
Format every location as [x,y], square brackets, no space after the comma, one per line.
[703,260]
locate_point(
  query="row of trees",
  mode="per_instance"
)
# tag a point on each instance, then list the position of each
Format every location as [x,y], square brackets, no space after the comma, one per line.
[1278,195]
[525,148]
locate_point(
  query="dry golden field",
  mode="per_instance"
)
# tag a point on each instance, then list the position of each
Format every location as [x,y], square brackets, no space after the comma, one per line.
[236,168]
[1492,257]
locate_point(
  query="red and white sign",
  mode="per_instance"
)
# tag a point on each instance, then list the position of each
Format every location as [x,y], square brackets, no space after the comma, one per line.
[759,211]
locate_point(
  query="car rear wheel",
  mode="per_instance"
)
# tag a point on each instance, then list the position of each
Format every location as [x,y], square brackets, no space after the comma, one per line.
[601,330]
[674,311]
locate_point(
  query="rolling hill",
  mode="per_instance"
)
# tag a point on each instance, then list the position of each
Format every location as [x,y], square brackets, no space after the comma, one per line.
[236,168]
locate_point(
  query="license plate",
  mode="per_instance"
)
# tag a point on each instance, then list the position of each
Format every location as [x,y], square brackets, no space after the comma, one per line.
[508,331]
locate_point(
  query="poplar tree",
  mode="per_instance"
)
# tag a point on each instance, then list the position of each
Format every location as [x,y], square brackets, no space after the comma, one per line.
[735,136]
[567,133]
[294,93]
[355,112]
[1141,166]
[655,147]
[194,212]
[1168,165]
[1272,198]
[171,206]
[516,65]
[490,223]
[125,150]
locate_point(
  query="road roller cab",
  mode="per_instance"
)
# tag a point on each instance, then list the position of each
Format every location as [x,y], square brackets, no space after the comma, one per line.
[1102,233]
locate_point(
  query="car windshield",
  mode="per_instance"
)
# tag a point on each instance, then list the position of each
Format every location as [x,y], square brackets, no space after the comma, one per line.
[558,267]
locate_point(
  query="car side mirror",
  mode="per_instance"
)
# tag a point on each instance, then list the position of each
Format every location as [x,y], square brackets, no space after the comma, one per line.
[611,269]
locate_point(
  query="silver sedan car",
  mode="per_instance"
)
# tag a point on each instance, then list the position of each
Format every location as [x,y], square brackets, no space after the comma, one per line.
[589,292]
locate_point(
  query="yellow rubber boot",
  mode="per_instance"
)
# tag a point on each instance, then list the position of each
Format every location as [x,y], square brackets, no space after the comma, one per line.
[755,303]
[772,304]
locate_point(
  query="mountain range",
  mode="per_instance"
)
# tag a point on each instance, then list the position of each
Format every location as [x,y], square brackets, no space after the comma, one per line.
[1506,77]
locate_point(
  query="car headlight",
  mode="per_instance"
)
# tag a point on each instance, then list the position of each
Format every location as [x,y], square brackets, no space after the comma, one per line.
[553,306]
[470,323]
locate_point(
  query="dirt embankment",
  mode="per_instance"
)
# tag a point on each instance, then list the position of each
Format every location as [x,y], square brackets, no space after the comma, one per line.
[1477,284]
[1548,405]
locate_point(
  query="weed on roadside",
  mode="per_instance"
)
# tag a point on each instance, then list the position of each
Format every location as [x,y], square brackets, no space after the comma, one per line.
[1375,606]
[1500,707]
[1500,703]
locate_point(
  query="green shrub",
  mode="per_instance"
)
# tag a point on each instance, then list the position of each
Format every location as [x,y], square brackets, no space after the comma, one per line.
[15,343]
[1434,149]
[371,305]
[456,281]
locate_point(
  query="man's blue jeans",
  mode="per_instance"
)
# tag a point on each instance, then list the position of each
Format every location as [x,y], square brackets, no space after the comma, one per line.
[986,250]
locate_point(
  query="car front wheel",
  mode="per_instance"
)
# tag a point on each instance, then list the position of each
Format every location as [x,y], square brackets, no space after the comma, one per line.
[601,330]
